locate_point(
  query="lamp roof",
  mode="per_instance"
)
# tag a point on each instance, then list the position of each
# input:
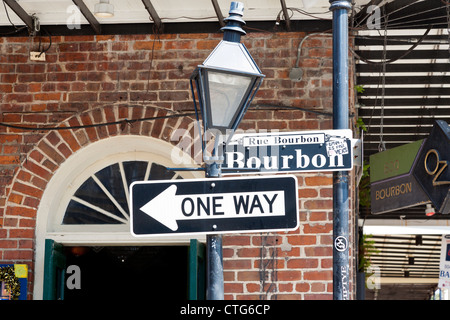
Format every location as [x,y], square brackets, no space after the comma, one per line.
[232,56]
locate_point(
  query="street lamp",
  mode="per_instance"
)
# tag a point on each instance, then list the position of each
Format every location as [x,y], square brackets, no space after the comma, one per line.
[225,84]
[228,79]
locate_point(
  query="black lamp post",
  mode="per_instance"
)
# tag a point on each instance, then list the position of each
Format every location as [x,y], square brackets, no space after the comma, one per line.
[225,83]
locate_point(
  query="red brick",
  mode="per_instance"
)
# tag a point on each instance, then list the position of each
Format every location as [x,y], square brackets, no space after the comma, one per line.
[318,297]
[21,211]
[235,240]
[147,45]
[73,56]
[302,240]
[70,139]
[20,255]
[318,251]
[237,264]
[303,263]
[26,189]
[10,222]
[319,181]
[21,234]
[51,152]
[27,223]
[289,275]
[83,96]
[207,44]
[307,193]
[5,160]
[8,244]
[318,275]
[178,45]
[253,287]
[302,287]
[318,204]
[249,276]
[285,287]
[15,198]
[233,287]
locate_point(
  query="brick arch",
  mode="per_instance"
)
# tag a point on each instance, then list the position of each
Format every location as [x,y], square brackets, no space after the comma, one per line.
[31,179]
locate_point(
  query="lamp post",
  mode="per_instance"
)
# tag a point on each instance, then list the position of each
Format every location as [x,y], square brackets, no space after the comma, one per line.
[225,83]
[340,178]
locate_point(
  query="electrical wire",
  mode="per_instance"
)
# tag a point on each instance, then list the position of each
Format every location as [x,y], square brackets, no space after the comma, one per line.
[124,121]
[16,29]
[397,58]
[177,115]
[40,43]
[7,15]
[299,48]
[303,12]
[400,24]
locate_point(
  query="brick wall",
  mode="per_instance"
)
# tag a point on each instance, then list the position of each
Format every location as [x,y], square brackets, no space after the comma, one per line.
[96,79]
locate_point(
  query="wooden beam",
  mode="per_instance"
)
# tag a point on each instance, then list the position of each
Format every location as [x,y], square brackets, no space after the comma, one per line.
[287,20]
[404,80]
[218,13]
[153,14]
[21,13]
[89,16]
[403,67]
[408,102]
[397,91]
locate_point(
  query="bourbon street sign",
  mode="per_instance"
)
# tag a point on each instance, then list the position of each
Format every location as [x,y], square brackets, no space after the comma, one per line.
[214,205]
[303,151]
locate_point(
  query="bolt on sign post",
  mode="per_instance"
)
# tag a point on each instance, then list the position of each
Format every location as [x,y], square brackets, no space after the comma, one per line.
[340,178]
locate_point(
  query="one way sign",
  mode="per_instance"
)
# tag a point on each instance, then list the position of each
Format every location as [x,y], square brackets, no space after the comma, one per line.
[214,205]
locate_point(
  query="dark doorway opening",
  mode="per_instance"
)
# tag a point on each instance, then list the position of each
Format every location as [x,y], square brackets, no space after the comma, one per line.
[124,273]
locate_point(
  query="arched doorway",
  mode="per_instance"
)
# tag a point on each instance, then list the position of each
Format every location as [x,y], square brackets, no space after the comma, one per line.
[84,217]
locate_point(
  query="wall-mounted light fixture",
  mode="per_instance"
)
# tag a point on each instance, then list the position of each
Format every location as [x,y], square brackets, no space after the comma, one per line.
[104,9]
[429,210]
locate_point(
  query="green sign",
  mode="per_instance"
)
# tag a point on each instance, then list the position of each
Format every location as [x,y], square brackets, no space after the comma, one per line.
[393,162]
[392,184]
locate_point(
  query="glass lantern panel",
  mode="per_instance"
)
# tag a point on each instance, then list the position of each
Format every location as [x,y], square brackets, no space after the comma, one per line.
[226,92]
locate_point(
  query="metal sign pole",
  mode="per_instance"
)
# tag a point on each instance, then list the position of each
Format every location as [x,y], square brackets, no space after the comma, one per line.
[232,33]
[214,258]
[340,178]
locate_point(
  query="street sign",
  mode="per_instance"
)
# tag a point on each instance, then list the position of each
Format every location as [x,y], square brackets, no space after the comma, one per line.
[433,171]
[214,206]
[394,162]
[396,193]
[393,185]
[302,151]
[444,265]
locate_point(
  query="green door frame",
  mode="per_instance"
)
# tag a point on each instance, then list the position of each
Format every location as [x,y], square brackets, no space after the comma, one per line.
[54,271]
[197,270]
